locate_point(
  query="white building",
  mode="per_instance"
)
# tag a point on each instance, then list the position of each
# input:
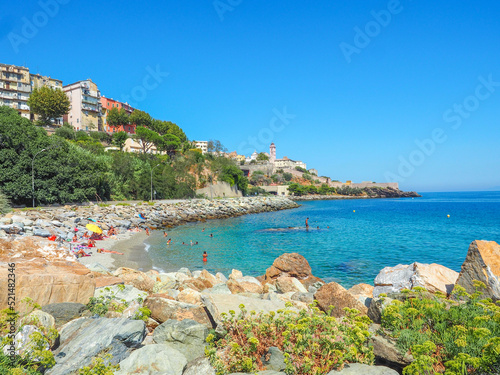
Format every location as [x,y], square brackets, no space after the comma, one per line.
[288,163]
[85,105]
[202,145]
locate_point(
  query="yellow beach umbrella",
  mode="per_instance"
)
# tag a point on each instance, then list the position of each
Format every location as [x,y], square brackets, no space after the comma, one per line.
[93,228]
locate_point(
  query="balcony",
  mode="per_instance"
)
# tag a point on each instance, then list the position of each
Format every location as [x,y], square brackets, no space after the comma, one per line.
[10,78]
[86,99]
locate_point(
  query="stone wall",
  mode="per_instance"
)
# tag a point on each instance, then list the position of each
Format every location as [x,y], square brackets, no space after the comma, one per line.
[220,190]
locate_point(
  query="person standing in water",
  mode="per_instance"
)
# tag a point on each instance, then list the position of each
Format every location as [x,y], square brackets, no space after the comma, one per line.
[307,223]
[205,255]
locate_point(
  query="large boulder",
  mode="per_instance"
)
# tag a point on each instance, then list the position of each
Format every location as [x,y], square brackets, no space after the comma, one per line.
[44,273]
[217,304]
[363,293]
[84,338]
[135,278]
[285,284]
[246,284]
[292,265]
[164,308]
[187,336]
[432,277]
[482,263]
[65,311]
[333,294]
[385,348]
[152,359]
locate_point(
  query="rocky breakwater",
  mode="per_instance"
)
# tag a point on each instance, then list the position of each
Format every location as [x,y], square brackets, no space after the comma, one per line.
[62,221]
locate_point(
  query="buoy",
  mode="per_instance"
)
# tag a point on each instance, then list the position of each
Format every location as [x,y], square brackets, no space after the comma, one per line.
[353,210]
[448,215]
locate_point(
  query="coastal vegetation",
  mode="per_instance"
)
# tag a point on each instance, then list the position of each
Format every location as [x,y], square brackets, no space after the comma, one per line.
[312,342]
[73,166]
[48,104]
[456,336]
[4,204]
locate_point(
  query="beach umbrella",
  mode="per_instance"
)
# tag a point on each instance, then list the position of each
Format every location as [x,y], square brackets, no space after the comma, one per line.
[93,228]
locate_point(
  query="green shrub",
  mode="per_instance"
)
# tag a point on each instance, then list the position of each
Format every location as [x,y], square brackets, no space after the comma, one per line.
[101,365]
[458,335]
[313,342]
[4,204]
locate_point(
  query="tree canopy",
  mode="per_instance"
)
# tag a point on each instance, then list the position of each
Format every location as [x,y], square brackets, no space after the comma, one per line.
[117,117]
[48,103]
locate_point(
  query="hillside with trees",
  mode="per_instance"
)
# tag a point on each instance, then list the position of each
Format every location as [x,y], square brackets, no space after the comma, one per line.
[73,166]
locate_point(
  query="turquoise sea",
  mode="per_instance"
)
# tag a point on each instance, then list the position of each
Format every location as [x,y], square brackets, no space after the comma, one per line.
[363,237]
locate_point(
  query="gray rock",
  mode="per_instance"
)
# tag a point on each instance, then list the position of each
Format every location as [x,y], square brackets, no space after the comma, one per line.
[377,306]
[218,289]
[84,338]
[153,359]
[64,312]
[185,271]
[41,232]
[274,360]
[199,366]
[127,293]
[39,318]
[187,336]
[23,342]
[303,297]
[360,369]
[222,303]
[5,220]
[386,349]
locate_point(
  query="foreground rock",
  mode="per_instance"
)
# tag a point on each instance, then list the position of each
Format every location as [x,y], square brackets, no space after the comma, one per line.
[154,359]
[363,293]
[200,366]
[432,277]
[360,369]
[482,263]
[43,273]
[164,308]
[291,265]
[333,294]
[186,336]
[82,339]
[222,303]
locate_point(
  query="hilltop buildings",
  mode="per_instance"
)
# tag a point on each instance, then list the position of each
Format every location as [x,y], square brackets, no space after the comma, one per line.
[85,108]
[15,88]
[107,104]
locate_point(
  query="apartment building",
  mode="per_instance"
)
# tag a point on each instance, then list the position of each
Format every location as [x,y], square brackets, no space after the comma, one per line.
[15,88]
[107,104]
[85,106]
[202,145]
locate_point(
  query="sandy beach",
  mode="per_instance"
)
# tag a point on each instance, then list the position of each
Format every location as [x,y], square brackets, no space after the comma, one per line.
[130,243]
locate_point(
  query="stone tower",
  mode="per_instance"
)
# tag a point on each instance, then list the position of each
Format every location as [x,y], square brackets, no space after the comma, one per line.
[272,153]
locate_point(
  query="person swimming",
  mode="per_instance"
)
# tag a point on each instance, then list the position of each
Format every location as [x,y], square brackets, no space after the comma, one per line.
[211,235]
[165,234]
[169,241]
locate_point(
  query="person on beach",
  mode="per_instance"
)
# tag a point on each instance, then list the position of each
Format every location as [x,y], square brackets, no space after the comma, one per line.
[108,251]
[205,255]
[307,223]
[75,238]
[85,235]
[147,231]
[80,253]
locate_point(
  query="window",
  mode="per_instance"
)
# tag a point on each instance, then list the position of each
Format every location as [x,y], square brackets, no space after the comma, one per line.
[77,120]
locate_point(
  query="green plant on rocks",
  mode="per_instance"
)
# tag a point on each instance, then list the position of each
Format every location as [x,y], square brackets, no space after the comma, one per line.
[143,313]
[101,365]
[455,336]
[102,304]
[4,204]
[312,342]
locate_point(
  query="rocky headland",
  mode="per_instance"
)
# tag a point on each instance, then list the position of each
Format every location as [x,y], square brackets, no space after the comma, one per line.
[367,193]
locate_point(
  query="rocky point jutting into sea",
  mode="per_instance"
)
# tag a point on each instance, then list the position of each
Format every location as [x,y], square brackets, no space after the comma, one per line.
[158,323]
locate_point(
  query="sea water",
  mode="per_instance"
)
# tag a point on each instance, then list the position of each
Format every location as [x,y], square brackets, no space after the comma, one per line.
[356,238]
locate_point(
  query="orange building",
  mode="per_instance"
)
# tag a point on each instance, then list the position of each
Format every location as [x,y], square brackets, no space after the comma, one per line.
[107,104]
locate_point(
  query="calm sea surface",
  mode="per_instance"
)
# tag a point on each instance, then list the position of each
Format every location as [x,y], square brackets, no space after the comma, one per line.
[363,237]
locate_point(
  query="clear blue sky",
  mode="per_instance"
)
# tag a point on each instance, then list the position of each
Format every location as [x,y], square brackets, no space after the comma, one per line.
[231,69]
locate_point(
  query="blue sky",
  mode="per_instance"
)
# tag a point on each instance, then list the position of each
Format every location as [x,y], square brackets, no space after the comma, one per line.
[350,88]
